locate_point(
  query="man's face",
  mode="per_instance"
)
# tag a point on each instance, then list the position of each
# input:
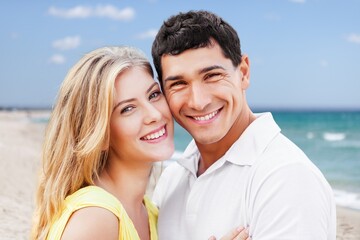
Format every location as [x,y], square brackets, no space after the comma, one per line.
[205,91]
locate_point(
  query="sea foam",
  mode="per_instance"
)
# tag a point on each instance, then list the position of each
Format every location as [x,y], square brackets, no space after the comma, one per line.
[330,136]
[347,199]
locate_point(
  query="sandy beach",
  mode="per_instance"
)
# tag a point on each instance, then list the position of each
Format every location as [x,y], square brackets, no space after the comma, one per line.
[21,135]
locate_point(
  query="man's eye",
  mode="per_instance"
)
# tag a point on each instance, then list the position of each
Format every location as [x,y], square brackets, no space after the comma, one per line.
[213,76]
[177,83]
[126,109]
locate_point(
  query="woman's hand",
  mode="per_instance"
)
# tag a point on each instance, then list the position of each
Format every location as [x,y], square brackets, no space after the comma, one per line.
[239,233]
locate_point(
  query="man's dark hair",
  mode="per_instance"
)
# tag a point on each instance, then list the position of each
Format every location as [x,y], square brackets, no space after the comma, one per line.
[194,29]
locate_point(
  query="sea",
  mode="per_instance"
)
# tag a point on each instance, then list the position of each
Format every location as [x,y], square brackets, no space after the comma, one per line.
[331,139]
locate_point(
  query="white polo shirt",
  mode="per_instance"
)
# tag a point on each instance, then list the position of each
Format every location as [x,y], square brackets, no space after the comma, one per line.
[264,181]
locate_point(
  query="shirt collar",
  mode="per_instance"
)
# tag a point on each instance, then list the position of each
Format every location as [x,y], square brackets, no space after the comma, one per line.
[190,158]
[245,150]
[253,140]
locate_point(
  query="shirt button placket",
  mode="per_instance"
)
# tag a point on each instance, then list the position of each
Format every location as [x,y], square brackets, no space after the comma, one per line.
[193,204]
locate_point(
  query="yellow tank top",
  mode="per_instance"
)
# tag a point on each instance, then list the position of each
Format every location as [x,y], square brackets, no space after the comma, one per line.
[93,196]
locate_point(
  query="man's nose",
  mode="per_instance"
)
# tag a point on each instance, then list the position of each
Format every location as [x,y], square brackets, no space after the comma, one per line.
[199,98]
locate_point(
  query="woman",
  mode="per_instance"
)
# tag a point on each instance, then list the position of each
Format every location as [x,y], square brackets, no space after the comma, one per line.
[109,125]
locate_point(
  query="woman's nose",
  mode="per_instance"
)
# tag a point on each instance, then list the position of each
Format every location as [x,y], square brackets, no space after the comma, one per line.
[152,114]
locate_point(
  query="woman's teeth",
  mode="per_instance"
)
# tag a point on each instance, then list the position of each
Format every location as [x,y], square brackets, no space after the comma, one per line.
[155,135]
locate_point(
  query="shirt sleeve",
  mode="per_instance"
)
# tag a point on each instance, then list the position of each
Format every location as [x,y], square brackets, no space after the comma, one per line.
[156,197]
[291,202]
[161,186]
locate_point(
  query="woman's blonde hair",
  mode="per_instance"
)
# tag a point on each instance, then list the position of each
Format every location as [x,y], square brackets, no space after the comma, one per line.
[75,146]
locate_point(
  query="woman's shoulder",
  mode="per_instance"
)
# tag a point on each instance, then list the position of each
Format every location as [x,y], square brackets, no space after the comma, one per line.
[86,212]
[93,213]
[92,222]
[93,196]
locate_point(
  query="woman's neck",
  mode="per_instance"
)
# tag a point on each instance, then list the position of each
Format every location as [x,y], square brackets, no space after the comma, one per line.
[127,182]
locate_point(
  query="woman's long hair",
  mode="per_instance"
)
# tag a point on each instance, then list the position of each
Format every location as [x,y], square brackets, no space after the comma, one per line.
[76,140]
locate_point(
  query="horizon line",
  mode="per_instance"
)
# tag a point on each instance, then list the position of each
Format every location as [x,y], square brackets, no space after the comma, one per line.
[254,109]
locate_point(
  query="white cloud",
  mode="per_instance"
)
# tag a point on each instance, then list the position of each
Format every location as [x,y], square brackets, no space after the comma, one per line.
[57,59]
[75,12]
[106,11]
[114,13]
[353,38]
[151,33]
[298,1]
[67,43]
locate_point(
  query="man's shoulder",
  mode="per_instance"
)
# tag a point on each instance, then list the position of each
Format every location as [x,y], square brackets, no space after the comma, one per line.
[281,150]
[283,157]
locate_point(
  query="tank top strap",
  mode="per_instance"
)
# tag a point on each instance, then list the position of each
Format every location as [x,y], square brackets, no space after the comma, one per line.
[153,213]
[93,196]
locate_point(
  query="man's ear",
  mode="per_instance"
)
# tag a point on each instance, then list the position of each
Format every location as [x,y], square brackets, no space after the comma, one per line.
[245,70]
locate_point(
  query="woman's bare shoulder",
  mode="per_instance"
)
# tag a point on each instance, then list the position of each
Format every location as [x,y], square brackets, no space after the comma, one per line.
[92,223]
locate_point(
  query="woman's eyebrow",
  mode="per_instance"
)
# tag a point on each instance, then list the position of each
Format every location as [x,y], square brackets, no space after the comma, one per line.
[133,99]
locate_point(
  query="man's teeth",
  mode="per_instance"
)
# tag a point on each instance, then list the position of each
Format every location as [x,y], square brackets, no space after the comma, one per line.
[206,117]
[155,135]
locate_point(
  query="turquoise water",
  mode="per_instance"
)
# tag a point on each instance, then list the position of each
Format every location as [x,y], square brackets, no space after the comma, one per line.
[330,139]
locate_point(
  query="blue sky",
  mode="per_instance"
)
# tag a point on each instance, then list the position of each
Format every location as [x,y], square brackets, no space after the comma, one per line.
[305,54]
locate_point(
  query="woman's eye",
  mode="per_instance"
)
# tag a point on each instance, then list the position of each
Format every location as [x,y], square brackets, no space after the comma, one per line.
[126,109]
[155,95]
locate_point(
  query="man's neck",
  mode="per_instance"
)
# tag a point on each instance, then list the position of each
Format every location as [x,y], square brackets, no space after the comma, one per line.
[210,153]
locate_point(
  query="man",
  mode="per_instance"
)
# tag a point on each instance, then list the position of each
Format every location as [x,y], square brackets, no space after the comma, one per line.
[239,169]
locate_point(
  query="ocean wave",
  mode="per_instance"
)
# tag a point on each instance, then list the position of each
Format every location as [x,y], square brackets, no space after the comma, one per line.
[331,136]
[347,199]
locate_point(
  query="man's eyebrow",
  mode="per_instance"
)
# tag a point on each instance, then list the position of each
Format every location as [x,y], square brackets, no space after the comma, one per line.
[201,71]
[173,78]
[207,69]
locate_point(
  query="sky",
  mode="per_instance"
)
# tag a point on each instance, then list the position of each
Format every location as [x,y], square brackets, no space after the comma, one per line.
[304,54]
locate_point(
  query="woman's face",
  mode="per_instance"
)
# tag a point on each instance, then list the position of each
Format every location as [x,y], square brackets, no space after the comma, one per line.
[141,124]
